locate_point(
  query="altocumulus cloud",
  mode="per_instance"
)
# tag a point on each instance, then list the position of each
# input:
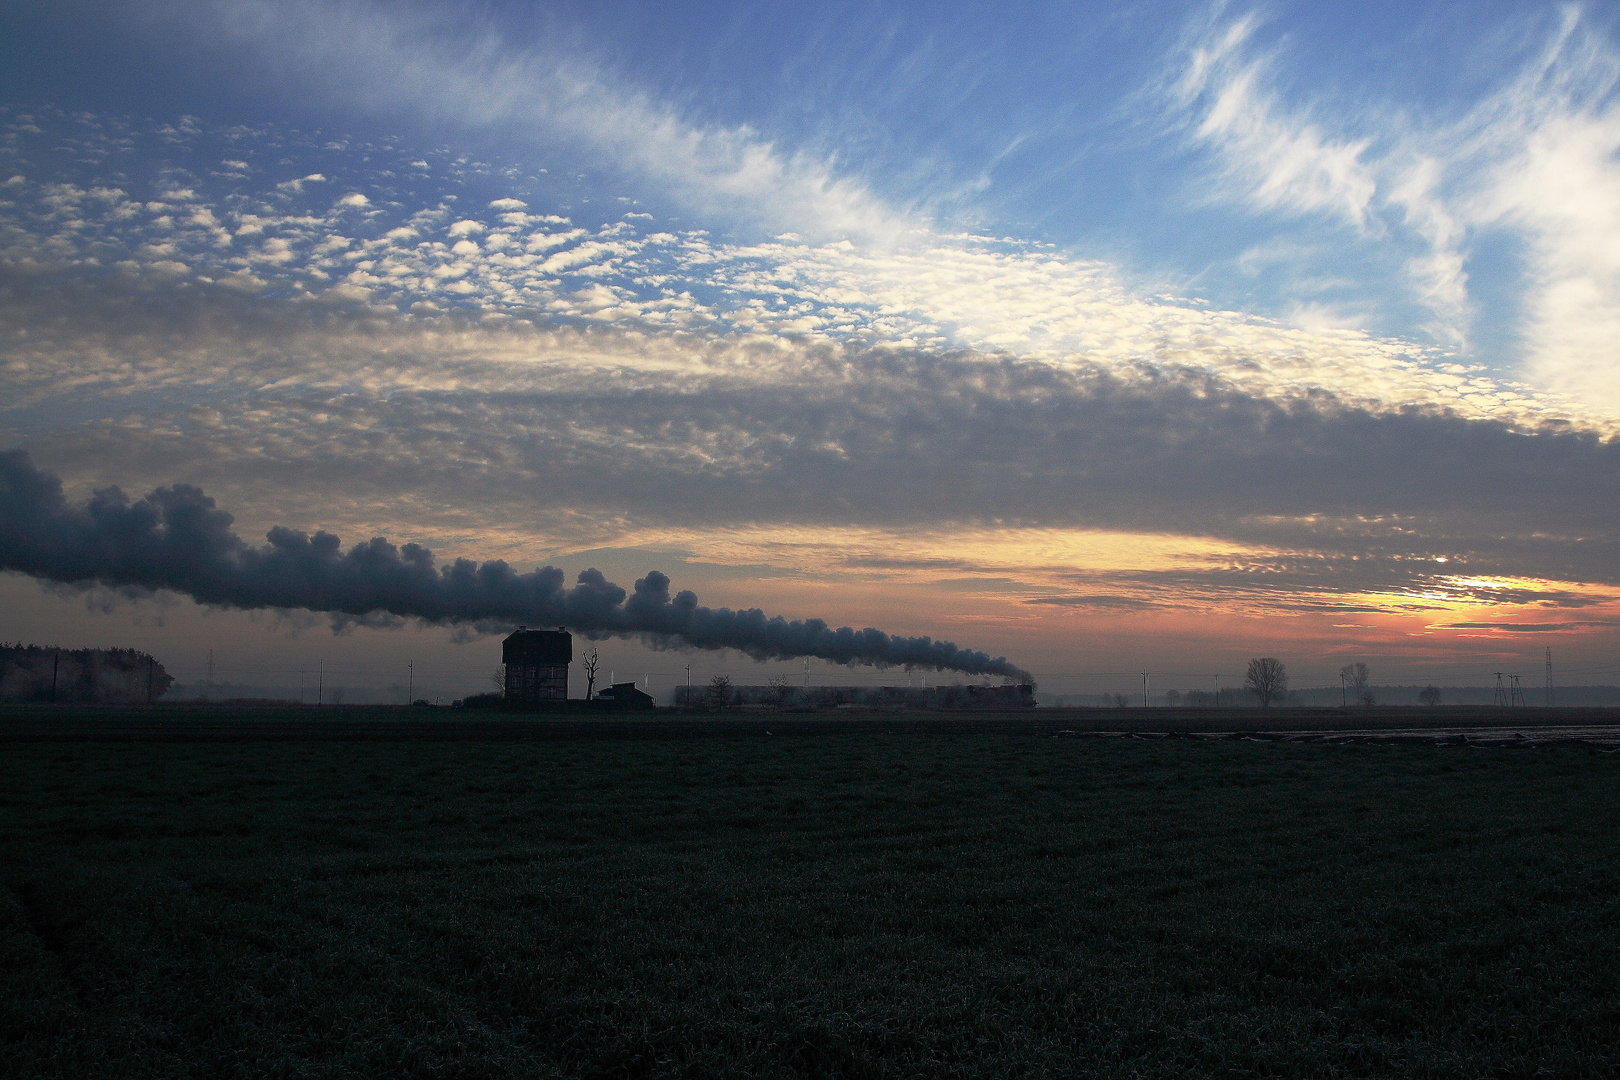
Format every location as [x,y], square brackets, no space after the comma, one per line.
[585,434]
[931,291]
[527,378]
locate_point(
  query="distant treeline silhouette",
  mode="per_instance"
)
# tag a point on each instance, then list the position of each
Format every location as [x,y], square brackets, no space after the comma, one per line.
[107,676]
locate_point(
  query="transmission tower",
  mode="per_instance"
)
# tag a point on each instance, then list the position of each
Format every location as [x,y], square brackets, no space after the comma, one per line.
[1500,697]
[1515,691]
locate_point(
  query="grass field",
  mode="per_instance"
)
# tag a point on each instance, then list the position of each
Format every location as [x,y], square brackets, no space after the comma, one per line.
[851,904]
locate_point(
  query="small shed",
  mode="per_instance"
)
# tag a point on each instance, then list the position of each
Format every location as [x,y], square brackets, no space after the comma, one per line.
[537,666]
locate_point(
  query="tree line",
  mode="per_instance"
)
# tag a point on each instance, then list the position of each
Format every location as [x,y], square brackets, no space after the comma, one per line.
[106,676]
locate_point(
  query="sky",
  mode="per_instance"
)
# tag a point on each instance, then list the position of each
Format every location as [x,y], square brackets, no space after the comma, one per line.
[1107,338]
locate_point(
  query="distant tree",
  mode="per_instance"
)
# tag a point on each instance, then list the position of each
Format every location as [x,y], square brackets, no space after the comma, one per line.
[719,692]
[1122,701]
[781,690]
[1172,698]
[1355,677]
[1429,695]
[1267,679]
[590,662]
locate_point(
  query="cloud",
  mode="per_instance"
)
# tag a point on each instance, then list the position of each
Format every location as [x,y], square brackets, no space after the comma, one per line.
[297,186]
[933,291]
[1093,600]
[1524,628]
[1538,157]
[587,435]
[390,59]
[608,385]
[1278,158]
[1551,140]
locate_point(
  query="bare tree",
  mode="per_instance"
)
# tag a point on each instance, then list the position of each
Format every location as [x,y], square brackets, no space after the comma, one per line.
[719,692]
[590,662]
[497,679]
[1429,695]
[1355,676]
[1267,679]
[781,690]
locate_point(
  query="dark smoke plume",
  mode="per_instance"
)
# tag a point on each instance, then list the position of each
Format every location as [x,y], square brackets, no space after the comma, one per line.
[176,539]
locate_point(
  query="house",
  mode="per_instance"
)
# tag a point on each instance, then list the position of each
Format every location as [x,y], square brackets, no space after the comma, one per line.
[626,696]
[537,666]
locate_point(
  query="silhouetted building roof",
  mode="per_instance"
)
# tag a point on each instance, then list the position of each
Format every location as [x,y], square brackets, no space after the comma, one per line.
[626,693]
[533,648]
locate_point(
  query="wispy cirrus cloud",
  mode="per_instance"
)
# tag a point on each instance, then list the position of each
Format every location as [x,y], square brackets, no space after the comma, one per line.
[450,66]
[1277,156]
[1537,158]
[1551,140]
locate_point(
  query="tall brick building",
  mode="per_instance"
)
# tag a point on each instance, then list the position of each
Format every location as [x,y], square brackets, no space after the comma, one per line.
[537,666]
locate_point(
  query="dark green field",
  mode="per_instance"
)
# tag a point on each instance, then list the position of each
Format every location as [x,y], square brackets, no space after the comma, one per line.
[848,904]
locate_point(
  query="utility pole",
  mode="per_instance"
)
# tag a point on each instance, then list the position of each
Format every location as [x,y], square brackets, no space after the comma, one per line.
[208,681]
[320,683]
[1144,690]
[151,662]
[1344,691]
[410,681]
[55,663]
[688,686]
[1549,677]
